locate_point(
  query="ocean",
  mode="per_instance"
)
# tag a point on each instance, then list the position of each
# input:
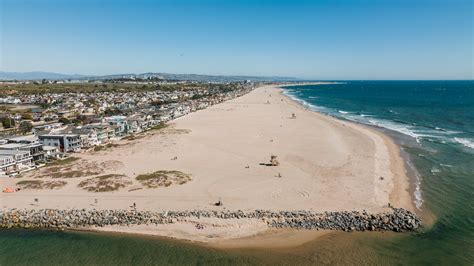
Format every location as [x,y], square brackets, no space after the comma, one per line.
[433,121]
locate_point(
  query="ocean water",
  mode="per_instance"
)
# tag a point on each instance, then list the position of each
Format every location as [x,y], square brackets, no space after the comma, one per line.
[432,120]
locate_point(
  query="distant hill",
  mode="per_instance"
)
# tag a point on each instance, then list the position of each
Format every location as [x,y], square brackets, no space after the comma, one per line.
[37,75]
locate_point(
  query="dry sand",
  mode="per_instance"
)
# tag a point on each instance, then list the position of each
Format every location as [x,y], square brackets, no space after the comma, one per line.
[325,165]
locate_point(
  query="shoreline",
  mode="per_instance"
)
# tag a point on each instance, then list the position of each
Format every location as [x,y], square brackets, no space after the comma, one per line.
[155,223]
[395,149]
[394,137]
[260,233]
[391,139]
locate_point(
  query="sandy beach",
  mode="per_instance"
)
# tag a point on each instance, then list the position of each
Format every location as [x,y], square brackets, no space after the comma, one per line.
[324,165]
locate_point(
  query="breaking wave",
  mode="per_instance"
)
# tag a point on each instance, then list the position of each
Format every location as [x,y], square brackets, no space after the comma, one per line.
[466,142]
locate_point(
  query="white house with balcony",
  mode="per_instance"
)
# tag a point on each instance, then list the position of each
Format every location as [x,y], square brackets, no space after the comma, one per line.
[7,164]
[23,161]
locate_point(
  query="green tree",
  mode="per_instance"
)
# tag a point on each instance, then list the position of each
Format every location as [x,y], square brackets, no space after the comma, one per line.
[112,111]
[25,127]
[64,120]
[44,105]
[7,122]
[26,116]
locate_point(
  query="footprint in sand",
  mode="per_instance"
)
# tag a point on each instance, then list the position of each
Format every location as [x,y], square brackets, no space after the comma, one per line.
[303,193]
[276,194]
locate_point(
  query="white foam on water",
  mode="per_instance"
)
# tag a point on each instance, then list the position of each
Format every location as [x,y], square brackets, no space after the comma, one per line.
[400,128]
[306,104]
[466,142]
[417,193]
[445,165]
[393,112]
[443,131]
[418,197]
[415,131]
[435,170]
[437,132]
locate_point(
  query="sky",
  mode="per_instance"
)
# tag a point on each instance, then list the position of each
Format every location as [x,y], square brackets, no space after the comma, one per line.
[330,39]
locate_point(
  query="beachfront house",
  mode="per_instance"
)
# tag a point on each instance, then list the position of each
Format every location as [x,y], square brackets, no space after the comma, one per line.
[35,149]
[88,136]
[65,142]
[22,159]
[143,123]
[133,126]
[28,143]
[7,164]
[119,124]
[51,152]
[104,131]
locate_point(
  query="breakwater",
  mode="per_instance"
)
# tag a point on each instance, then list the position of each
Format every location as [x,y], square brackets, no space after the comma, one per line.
[398,220]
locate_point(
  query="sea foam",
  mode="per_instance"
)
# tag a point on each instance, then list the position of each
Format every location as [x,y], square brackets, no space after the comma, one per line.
[466,142]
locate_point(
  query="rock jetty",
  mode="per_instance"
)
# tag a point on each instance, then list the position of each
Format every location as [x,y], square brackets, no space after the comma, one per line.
[398,220]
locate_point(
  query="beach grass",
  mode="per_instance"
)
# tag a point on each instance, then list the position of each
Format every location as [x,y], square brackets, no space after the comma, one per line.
[73,174]
[40,184]
[160,126]
[105,147]
[62,162]
[163,178]
[133,137]
[105,183]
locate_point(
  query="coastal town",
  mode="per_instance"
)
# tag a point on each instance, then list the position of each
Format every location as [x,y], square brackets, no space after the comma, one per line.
[47,120]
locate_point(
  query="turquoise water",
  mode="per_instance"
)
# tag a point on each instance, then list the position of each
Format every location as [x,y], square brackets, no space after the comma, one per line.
[432,120]
[434,123]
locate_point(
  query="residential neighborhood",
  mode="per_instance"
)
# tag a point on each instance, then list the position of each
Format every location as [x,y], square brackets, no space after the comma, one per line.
[38,127]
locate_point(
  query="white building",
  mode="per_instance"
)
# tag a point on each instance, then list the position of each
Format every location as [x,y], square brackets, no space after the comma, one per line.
[22,159]
[7,164]
[65,142]
[51,152]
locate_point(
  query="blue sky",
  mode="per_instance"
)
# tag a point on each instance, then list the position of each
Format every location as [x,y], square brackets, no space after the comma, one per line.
[378,39]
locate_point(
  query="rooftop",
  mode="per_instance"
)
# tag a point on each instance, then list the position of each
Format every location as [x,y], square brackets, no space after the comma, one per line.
[29,138]
[11,146]
[57,135]
[12,152]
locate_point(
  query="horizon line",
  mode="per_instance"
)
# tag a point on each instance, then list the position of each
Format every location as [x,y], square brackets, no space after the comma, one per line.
[296,78]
